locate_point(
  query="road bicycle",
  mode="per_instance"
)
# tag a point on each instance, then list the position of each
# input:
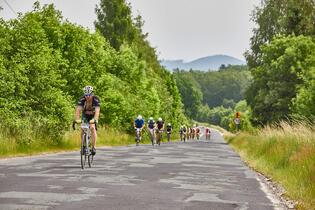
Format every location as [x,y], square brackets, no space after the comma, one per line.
[197,136]
[158,136]
[182,136]
[138,136]
[152,137]
[86,146]
[168,136]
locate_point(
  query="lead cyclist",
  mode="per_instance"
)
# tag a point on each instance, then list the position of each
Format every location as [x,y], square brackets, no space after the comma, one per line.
[89,105]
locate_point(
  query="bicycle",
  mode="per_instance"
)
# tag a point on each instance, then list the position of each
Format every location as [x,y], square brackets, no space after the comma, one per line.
[138,136]
[168,136]
[158,136]
[207,134]
[86,146]
[182,136]
[197,135]
[151,133]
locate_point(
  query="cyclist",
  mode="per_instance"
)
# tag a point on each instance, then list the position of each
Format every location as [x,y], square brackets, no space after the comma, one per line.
[169,131]
[193,131]
[151,127]
[139,123]
[159,130]
[208,133]
[182,131]
[197,132]
[89,105]
[189,131]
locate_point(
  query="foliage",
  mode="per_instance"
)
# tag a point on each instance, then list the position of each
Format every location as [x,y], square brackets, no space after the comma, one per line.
[288,63]
[279,17]
[114,22]
[46,61]
[212,96]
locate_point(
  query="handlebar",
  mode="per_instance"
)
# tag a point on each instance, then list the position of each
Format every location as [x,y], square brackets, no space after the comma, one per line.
[80,121]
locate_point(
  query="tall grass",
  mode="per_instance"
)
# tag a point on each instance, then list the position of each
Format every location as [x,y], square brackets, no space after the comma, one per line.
[287,154]
[32,142]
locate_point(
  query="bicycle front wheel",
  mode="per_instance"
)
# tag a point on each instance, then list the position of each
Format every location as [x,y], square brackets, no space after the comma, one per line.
[82,152]
[90,160]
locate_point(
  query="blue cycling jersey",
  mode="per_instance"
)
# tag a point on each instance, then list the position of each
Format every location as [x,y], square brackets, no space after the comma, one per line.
[139,123]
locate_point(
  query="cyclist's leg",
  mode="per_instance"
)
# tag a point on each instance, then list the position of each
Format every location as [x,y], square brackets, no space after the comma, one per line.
[93,135]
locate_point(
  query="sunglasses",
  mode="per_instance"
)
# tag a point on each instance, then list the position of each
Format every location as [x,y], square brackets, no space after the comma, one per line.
[88,95]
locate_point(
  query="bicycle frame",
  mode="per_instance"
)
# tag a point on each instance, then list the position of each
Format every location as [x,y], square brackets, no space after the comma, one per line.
[85,145]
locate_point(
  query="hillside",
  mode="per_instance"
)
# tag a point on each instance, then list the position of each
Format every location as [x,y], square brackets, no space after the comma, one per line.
[204,64]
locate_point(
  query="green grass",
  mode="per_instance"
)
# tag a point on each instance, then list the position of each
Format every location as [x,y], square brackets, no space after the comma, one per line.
[11,147]
[285,153]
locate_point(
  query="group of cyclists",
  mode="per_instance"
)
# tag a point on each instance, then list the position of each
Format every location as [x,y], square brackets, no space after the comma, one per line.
[155,129]
[89,106]
[191,133]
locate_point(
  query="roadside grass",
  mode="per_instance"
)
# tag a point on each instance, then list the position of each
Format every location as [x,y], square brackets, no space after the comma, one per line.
[286,154]
[12,147]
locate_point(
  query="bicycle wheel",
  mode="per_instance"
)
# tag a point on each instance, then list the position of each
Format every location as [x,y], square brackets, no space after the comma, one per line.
[90,160]
[82,152]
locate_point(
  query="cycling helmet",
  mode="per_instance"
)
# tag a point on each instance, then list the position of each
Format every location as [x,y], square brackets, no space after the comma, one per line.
[151,118]
[139,117]
[88,90]
[160,119]
[169,124]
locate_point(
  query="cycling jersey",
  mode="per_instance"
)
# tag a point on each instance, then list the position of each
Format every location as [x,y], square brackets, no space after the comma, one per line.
[160,124]
[139,123]
[183,130]
[151,124]
[197,130]
[88,108]
[169,128]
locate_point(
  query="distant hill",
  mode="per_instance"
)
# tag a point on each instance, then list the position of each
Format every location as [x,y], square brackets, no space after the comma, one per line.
[203,64]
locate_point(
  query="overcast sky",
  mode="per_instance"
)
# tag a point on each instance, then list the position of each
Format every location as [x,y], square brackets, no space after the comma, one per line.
[179,29]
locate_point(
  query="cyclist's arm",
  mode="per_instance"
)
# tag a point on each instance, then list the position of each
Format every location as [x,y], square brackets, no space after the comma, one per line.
[78,112]
[97,112]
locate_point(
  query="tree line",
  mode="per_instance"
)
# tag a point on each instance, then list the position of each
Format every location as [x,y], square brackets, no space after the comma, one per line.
[280,82]
[214,96]
[45,61]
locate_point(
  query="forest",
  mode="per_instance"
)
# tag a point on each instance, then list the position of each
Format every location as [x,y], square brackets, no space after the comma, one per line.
[45,61]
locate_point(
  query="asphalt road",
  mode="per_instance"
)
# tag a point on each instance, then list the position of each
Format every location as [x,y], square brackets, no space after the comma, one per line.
[192,175]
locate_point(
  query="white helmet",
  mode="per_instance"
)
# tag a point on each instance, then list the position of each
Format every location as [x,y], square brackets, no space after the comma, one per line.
[88,90]
[139,117]
[151,118]
[160,119]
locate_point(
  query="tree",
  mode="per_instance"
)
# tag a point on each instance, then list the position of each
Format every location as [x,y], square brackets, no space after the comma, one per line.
[279,17]
[114,21]
[286,63]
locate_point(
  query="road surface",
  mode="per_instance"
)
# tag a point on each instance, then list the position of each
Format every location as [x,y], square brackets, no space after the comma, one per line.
[193,175]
